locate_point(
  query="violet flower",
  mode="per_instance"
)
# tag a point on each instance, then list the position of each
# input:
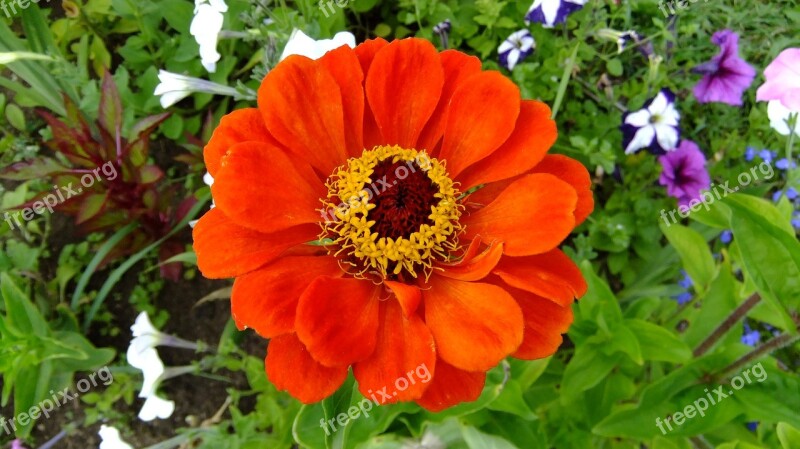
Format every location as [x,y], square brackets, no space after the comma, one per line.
[655,126]
[684,174]
[726,75]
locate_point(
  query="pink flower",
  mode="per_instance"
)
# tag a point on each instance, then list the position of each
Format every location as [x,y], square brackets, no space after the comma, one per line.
[783,80]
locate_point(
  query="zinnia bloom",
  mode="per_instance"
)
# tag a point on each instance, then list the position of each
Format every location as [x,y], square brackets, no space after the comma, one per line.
[348,212]
[655,126]
[552,12]
[726,75]
[782,90]
[684,174]
[516,48]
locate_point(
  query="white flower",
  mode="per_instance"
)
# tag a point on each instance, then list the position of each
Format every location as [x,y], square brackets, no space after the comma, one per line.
[110,438]
[779,118]
[515,48]
[156,407]
[151,366]
[300,44]
[206,26]
[174,88]
[655,126]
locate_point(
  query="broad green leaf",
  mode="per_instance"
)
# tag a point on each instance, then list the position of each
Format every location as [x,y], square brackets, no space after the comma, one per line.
[476,439]
[21,312]
[511,401]
[587,367]
[788,435]
[658,343]
[694,252]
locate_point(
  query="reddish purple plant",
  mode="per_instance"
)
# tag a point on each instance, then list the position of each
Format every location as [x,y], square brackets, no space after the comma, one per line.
[106,181]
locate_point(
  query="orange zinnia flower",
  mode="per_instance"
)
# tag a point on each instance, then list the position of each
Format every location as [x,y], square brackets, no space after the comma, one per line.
[347,210]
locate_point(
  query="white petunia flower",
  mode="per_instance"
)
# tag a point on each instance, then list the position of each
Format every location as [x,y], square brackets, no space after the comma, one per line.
[516,48]
[552,12]
[174,88]
[779,118]
[156,407]
[205,27]
[655,126]
[301,44]
[110,438]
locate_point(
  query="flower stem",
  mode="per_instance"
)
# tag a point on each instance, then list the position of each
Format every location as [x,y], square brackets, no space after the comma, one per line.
[726,325]
[776,343]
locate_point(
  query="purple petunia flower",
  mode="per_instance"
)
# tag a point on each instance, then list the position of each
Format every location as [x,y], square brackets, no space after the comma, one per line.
[654,127]
[726,75]
[684,174]
[516,48]
[552,12]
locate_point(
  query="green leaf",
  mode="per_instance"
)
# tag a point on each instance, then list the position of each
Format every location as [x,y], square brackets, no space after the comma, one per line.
[511,401]
[694,252]
[788,436]
[770,257]
[21,312]
[11,56]
[587,368]
[15,116]
[476,439]
[658,343]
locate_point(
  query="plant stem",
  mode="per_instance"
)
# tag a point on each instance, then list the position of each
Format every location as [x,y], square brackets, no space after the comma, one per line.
[778,342]
[726,325]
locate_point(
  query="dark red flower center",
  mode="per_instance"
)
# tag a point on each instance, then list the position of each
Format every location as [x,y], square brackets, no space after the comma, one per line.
[403,196]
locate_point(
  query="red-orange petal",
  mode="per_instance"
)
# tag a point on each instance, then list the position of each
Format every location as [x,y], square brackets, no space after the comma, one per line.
[242,125]
[404,359]
[574,173]
[552,275]
[409,296]
[266,300]
[225,249]
[535,132]
[259,187]
[367,50]
[545,321]
[474,267]
[475,325]
[337,320]
[302,107]
[343,64]
[481,117]
[458,67]
[451,386]
[403,87]
[531,216]
[291,368]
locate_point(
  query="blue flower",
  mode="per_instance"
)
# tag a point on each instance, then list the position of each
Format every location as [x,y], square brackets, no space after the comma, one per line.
[686,282]
[750,154]
[515,48]
[767,156]
[750,337]
[752,426]
[726,236]
[791,193]
[777,196]
[785,164]
[796,220]
[552,12]
[683,298]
